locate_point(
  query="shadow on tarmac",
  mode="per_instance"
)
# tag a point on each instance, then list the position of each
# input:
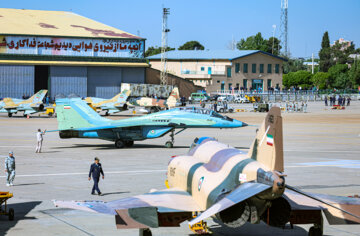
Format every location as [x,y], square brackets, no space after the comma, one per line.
[21,210]
[17,185]
[111,146]
[256,230]
[104,194]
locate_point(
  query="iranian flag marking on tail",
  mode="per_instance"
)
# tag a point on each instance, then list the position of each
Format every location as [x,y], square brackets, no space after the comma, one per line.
[270,139]
[67,107]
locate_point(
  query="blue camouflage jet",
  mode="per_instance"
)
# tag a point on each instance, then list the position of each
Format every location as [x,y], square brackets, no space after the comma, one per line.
[77,120]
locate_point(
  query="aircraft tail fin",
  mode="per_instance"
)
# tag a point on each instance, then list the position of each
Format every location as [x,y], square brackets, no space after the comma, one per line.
[38,97]
[122,97]
[173,98]
[267,147]
[75,113]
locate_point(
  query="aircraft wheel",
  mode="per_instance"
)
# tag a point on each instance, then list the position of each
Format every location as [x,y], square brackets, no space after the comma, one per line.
[169,144]
[106,113]
[119,143]
[315,231]
[129,143]
[9,114]
[50,114]
[145,232]
[11,214]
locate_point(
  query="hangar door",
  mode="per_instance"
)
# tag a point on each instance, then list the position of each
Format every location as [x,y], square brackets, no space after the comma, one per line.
[104,82]
[68,80]
[16,81]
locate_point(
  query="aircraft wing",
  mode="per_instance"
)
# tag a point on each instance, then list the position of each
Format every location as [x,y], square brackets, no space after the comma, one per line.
[241,193]
[143,211]
[337,209]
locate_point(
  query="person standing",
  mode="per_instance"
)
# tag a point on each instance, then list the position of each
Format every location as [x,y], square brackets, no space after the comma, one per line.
[348,101]
[326,100]
[10,169]
[39,138]
[215,106]
[95,171]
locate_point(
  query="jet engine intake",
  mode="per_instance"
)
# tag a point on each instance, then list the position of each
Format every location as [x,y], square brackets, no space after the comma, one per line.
[235,216]
[278,214]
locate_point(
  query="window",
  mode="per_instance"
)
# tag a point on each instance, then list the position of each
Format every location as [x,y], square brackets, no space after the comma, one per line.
[245,68]
[269,68]
[230,86]
[245,83]
[261,68]
[237,86]
[228,74]
[253,68]
[209,70]
[237,67]
[269,83]
[218,81]
[202,68]
[277,68]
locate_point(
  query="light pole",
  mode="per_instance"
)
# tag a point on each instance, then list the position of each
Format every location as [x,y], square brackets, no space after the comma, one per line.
[274,29]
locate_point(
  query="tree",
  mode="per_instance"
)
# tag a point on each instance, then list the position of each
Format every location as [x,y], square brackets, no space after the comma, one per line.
[299,78]
[156,50]
[325,53]
[321,80]
[339,77]
[192,45]
[257,42]
[293,65]
[354,74]
[340,52]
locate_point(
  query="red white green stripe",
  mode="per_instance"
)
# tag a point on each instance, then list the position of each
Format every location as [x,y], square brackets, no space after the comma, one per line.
[270,139]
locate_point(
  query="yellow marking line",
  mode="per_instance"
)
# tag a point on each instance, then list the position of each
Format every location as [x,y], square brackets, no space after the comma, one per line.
[86,173]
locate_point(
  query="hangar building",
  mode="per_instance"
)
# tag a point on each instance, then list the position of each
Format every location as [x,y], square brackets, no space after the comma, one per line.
[66,53]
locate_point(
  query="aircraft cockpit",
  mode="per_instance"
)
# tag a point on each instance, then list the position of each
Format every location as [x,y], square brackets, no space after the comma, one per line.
[205,111]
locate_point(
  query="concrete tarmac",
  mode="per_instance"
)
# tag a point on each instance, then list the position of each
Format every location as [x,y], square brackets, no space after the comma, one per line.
[322,155]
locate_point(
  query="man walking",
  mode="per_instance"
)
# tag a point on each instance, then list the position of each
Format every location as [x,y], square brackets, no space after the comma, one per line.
[39,138]
[10,169]
[95,171]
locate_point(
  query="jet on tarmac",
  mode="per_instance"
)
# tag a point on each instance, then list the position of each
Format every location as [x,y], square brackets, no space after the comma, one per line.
[29,106]
[230,185]
[152,105]
[77,120]
[110,106]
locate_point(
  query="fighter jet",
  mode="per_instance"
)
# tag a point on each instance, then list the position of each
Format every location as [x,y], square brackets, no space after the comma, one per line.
[29,106]
[110,106]
[152,105]
[230,185]
[77,120]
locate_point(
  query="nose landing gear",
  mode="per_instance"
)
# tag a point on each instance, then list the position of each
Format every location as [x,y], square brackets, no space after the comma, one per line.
[170,144]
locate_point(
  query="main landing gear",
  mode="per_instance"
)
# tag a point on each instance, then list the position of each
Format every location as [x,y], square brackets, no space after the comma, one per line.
[119,143]
[170,144]
[145,232]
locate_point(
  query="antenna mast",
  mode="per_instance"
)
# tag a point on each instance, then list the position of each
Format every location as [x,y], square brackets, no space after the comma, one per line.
[284,27]
[164,40]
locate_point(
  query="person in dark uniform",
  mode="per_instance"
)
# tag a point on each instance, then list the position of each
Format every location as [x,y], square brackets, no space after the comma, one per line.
[95,171]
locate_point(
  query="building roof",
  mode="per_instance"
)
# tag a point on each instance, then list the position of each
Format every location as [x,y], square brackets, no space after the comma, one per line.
[56,23]
[209,54]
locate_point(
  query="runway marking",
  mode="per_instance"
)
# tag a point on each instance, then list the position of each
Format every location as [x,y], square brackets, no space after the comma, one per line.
[336,163]
[86,173]
[345,166]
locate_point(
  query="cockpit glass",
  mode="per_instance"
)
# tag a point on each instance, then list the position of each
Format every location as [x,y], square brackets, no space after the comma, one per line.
[217,115]
[196,110]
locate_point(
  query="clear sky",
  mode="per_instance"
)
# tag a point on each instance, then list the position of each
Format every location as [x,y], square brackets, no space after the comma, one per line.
[215,23]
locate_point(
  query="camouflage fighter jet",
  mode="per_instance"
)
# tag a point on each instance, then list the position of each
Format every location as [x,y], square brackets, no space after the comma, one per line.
[152,105]
[230,185]
[29,106]
[110,106]
[77,120]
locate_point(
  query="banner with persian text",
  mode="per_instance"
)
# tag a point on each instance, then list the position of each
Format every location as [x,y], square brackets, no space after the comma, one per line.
[72,47]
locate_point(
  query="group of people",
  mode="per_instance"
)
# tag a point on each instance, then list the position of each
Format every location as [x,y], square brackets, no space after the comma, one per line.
[95,169]
[340,100]
[296,106]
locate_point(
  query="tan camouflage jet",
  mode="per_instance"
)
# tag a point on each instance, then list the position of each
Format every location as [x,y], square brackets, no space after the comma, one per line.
[29,106]
[110,106]
[153,105]
[232,186]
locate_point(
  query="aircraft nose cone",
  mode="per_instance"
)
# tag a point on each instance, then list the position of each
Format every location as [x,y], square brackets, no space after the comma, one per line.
[244,124]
